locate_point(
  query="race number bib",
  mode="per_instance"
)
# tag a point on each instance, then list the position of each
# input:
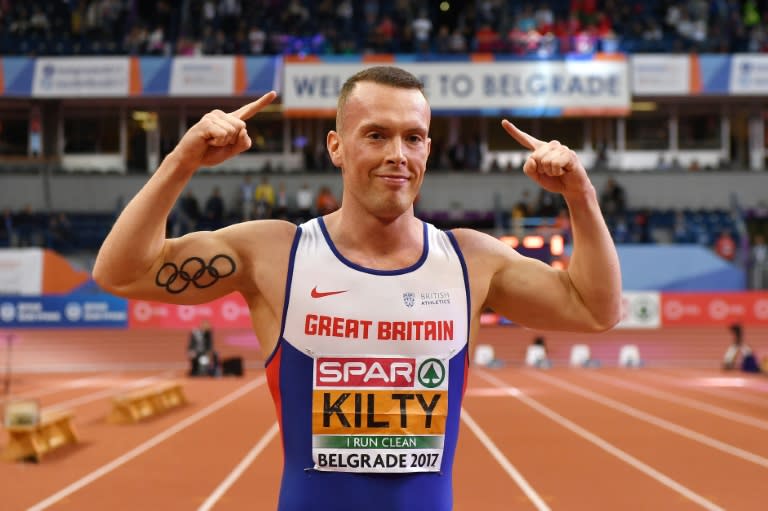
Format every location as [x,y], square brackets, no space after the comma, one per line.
[379,414]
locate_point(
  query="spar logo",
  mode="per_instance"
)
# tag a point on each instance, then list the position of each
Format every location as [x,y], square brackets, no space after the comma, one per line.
[365,372]
[381,372]
[431,373]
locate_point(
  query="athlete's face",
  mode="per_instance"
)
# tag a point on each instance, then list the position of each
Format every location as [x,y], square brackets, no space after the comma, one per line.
[382,148]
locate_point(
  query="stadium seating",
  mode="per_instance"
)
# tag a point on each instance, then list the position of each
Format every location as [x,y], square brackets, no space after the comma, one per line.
[91,28]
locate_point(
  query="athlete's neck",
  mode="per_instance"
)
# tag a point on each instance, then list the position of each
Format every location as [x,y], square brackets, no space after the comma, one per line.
[375,243]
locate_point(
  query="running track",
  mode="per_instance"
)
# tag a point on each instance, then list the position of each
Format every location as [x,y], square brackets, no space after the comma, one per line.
[662,438]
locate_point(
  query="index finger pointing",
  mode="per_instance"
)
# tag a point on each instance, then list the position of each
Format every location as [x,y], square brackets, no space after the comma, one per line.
[245,112]
[523,138]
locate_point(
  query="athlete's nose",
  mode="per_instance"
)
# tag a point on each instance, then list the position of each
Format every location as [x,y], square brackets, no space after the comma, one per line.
[396,155]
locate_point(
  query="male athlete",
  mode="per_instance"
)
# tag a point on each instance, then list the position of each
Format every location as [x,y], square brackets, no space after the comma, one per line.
[366,315]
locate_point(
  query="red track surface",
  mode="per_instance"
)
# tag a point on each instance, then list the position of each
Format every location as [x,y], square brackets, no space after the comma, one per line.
[661,437]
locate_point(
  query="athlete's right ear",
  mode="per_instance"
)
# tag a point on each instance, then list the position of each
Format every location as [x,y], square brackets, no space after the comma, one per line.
[333,142]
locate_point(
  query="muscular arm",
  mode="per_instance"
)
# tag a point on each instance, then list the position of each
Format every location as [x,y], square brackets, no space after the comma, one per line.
[137,261]
[593,270]
[586,296]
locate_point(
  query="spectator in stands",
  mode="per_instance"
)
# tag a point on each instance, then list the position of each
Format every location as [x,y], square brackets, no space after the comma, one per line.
[758,263]
[214,208]
[281,202]
[422,31]
[457,155]
[620,231]
[305,198]
[681,232]
[29,227]
[725,245]
[190,208]
[520,211]
[185,215]
[7,232]
[247,192]
[203,359]
[547,204]
[326,202]
[739,355]
[473,154]
[301,27]
[641,226]
[264,197]
[613,200]
[59,235]
[562,225]
[662,163]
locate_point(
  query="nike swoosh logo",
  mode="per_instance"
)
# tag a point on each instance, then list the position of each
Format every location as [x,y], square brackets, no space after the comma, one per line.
[320,294]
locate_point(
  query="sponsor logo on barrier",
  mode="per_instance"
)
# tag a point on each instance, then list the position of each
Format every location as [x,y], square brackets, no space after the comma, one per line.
[233,311]
[640,310]
[691,309]
[230,311]
[7,312]
[73,311]
[103,311]
[761,309]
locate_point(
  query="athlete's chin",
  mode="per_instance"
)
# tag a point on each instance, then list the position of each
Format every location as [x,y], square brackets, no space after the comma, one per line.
[392,209]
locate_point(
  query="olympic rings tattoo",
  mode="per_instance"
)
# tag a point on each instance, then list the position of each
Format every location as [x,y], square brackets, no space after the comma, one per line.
[194,271]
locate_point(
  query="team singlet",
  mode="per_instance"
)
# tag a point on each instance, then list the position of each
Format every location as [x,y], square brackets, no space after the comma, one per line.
[368,377]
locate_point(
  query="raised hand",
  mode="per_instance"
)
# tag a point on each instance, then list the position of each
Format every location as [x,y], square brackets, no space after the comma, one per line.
[552,165]
[219,135]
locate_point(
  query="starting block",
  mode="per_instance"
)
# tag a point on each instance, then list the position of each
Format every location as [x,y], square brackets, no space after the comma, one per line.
[484,355]
[629,356]
[36,434]
[137,405]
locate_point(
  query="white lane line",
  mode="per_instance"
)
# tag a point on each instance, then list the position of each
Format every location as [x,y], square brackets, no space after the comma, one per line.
[606,446]
[149,444]
[240,468]
[657,421]
[50,388]
[504,462]
[681,400]
[693,383]
[87,398]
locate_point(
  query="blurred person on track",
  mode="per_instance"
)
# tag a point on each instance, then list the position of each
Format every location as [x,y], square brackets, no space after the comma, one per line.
[203,359]
[365,315]
[739,354]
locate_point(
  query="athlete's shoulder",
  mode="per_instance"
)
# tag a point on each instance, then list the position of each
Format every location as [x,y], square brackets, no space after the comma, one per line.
[471,239]
[482,248]
[259,233]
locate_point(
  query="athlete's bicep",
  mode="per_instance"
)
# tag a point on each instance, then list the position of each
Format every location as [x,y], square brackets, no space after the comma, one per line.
[533,294]
[195,268]
[524,290]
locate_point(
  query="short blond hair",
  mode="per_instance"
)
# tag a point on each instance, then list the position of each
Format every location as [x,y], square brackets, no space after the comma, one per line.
[391,76]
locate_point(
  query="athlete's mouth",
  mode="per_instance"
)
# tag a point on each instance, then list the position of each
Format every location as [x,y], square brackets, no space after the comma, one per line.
[395,178]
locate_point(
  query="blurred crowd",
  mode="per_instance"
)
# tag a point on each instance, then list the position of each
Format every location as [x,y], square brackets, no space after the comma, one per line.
[72,231]
[296,27]
[543,213]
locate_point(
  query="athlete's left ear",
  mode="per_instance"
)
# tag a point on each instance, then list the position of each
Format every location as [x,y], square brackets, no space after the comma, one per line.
[333,143]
